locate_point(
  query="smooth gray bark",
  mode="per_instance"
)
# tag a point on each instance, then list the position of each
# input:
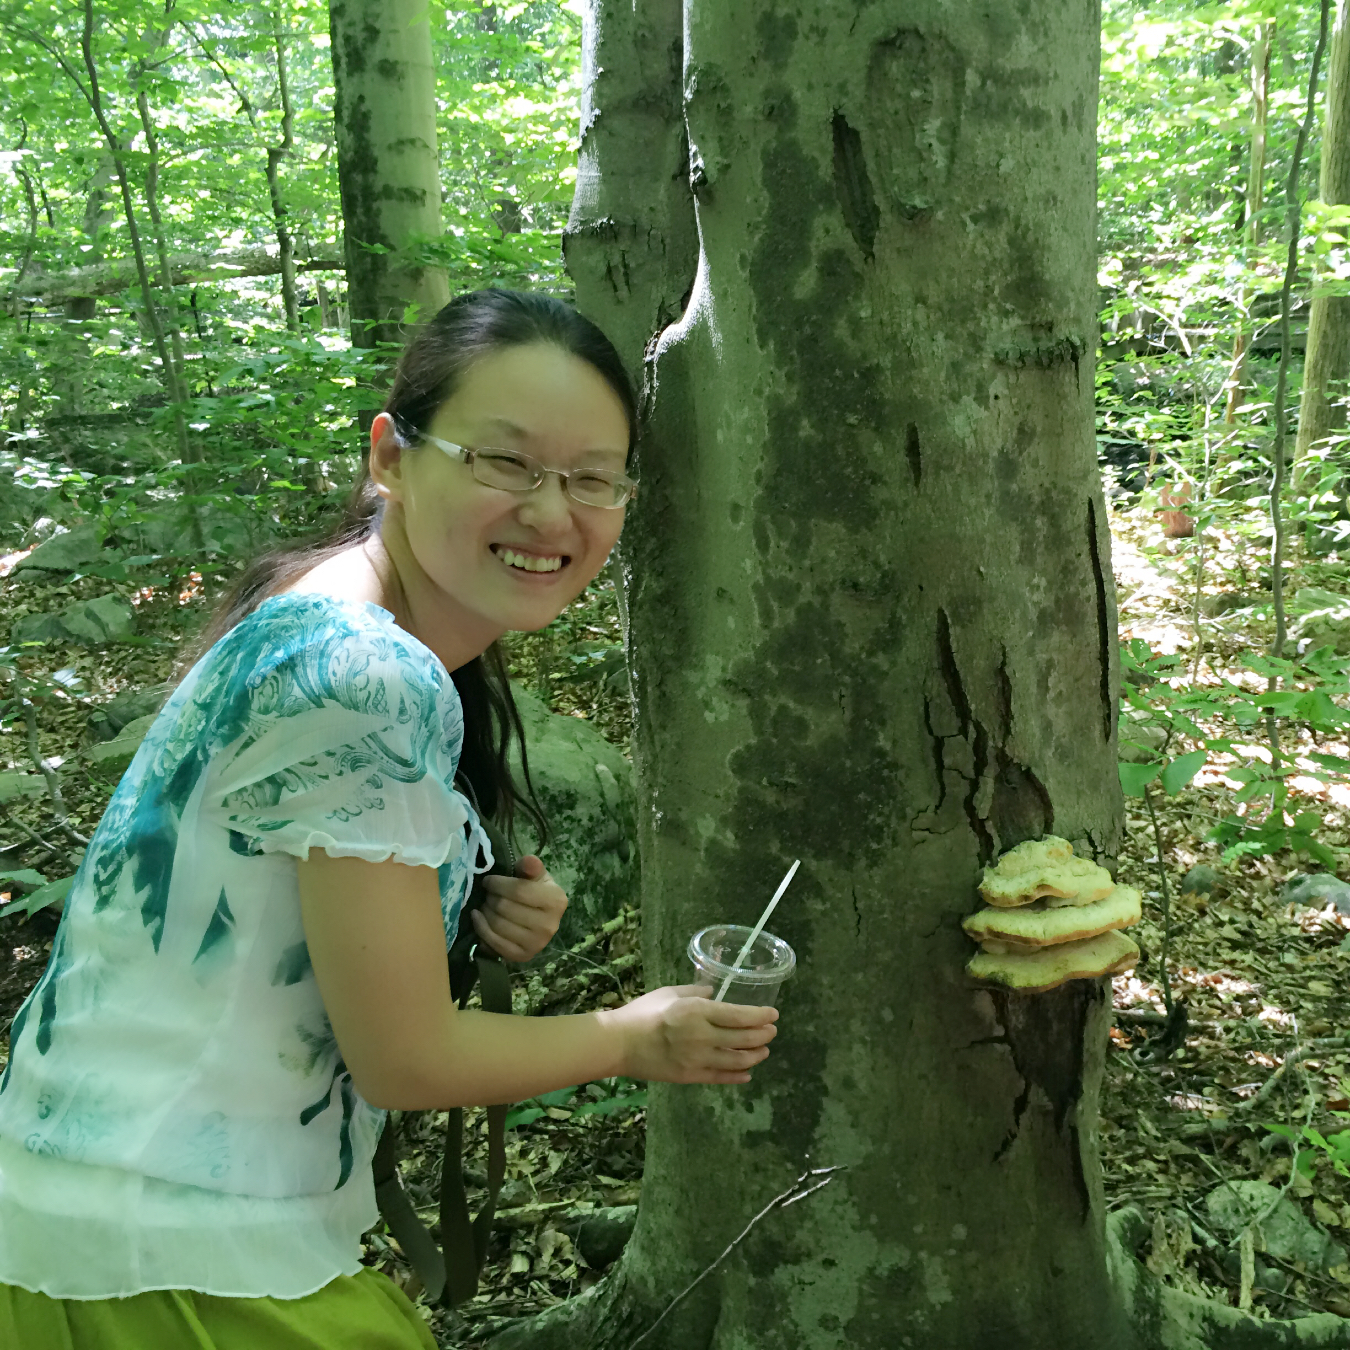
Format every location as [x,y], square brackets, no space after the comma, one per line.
[872,626]
[385,114]
[1327,363]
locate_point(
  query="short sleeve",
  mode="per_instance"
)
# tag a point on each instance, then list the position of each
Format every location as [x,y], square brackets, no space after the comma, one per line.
[350,741]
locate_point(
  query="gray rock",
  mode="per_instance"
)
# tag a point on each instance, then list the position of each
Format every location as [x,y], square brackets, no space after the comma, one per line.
[602,1234]
[69,551]
[1327,625]
[1200,880]
[109,718]
[172,532]
[1319,888]
[585,786]
[1287,1233]
[1139,737]
[109,759]
[90,622]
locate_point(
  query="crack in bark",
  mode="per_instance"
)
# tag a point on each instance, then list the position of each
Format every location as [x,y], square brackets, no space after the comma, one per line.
[972,732]
[1103,620]
[914,454]
[853,186]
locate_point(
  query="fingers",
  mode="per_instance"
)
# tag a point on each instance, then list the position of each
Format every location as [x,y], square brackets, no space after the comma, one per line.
[531,867]
[526,915]
[510,948]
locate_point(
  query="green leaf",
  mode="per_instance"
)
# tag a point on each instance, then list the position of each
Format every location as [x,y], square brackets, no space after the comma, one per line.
[14,785]
[25,876]
[1181,770]
[523,1115]
[52,893]
[1134,778]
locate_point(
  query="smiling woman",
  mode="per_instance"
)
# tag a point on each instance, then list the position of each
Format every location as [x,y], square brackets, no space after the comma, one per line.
[251,963]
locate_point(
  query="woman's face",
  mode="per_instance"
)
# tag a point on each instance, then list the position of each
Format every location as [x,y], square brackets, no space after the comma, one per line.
[470,541]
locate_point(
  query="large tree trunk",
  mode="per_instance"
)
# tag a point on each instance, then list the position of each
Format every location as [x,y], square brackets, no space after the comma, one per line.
[873,626]
[385,110]
[1327,362]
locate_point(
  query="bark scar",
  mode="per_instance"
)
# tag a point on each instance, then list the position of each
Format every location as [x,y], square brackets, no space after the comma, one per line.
[1103,620]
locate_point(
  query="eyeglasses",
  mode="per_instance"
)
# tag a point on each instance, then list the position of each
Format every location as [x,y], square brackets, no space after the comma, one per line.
[513,472]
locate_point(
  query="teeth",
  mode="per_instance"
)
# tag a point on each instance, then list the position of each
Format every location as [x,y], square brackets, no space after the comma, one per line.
[528,563]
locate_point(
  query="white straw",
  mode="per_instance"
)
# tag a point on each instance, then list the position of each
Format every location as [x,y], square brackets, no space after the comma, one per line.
[757,930]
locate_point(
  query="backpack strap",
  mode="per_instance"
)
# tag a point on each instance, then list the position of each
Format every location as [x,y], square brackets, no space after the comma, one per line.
[450,1274]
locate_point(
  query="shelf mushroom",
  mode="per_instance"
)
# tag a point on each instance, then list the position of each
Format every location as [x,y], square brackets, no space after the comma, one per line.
[1053,917]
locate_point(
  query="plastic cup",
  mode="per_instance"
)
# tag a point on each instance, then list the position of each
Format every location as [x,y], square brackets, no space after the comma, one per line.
[767,964]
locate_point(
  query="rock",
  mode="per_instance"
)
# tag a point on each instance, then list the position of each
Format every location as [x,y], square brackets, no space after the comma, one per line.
[602,1234]
[109,718]
[1320,889]
[1139,737]
[90,622]
[69,551]
[1326,626]
[1225,602]
[1200,880]
[110,759]
[1287,1233]
[585,786]
[171,532]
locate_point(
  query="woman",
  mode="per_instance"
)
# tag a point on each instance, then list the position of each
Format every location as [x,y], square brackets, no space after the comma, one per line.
[251,965]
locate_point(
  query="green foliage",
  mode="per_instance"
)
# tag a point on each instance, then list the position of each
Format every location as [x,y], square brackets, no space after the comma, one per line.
[1310,695]
[621,1094]
[1335,1148]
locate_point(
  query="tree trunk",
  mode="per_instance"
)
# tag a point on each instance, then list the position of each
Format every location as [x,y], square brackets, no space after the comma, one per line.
[275,155]
[115,150]
[1327,363]
[385,111]
[1256,178]
[873,627]
[631,244]
[178,389]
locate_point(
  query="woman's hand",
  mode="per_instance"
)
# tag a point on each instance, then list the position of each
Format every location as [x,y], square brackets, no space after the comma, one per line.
[522,912]
[679,1035]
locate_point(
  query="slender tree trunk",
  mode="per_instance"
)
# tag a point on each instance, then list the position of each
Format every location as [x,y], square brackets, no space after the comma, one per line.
[275,155]
[873,627]
[385,112]
[94,97]
[175,330]
[1256,178]
[1327,362]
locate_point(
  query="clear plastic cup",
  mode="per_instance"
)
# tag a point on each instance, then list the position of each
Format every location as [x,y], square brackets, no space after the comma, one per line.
[767,964]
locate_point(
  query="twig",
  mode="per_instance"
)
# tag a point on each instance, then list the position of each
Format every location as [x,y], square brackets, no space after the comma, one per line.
[1299,1053]
[52,850]
[49,775]
[799,1190]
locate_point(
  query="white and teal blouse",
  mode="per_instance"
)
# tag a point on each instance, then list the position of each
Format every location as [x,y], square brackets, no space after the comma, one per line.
[175,1112]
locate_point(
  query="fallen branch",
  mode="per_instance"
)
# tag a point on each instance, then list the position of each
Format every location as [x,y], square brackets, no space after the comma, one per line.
[187,269]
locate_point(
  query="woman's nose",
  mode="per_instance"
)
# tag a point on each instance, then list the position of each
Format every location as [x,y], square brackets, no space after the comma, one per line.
[548,505]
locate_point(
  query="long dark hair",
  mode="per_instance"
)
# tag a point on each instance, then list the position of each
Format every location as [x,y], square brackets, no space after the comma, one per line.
[470,327]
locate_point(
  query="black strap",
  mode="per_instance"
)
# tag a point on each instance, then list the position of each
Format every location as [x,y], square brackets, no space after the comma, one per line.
[451,1273]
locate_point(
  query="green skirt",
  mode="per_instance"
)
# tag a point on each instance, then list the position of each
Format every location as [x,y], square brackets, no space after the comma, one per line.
[365,1311]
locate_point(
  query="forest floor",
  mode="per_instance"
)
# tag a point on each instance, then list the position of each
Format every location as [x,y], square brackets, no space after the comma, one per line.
[1263,982]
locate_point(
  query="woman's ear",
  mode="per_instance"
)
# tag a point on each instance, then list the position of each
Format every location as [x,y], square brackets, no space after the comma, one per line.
[386,458]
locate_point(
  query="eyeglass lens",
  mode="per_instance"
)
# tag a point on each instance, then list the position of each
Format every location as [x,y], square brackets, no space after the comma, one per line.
[519,473]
